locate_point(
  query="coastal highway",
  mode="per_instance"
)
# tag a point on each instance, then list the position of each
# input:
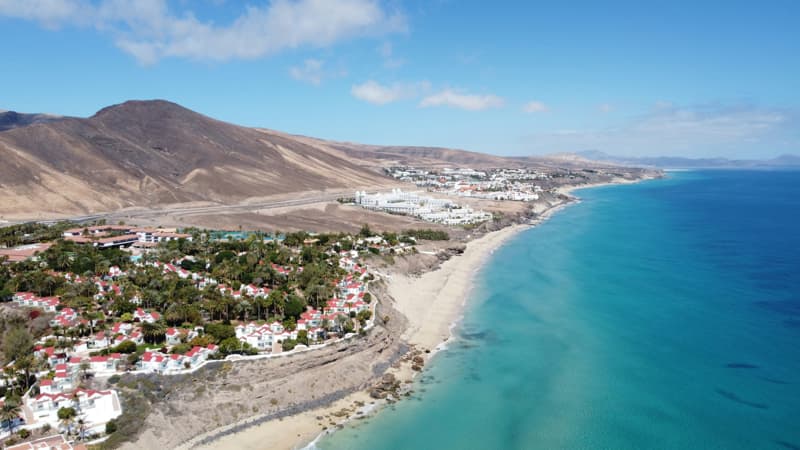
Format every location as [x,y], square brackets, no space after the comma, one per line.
[134,214]
[210,209]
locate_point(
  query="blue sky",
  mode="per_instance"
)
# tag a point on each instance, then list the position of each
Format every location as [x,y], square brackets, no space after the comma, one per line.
[513,78]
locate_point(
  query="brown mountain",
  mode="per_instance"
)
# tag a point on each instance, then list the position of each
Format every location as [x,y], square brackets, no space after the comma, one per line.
[146,153]
[155,153]
[13,119]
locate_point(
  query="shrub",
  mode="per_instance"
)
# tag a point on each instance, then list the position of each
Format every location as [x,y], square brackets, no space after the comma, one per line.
[202,341]
[428,234]
[294,307]
[111,426]
[24,434]
[220,331]
[180,349]
[133,358]
[364,315]
[302,337]
[288,344]
[126,347]
[234,345]
[66,413]
[113,379]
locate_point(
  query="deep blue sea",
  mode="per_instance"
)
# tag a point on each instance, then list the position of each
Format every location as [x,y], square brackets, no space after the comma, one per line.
[662,315]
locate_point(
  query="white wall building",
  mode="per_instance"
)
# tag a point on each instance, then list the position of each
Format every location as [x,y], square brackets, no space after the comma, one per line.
[94,407]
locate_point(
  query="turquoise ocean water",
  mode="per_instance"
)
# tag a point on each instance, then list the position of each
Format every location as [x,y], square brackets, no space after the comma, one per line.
[664,315]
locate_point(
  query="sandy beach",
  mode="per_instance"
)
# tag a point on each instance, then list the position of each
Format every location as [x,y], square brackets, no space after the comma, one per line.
[569,190]
[434,301]
[293,432]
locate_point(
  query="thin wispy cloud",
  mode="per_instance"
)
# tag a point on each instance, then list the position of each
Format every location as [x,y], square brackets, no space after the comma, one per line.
[700,130]
[149,30]
[535,107]
[460,100]
[380,94]
[314,71]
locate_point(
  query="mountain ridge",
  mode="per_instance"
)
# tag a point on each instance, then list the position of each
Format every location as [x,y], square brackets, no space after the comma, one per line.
[152,153]
[677,162]
[145,153]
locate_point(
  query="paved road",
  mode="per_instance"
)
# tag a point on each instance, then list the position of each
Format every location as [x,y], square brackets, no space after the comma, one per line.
[198,210]
[189,210]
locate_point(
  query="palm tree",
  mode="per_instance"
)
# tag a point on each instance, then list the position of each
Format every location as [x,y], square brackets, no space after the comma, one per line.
[152,331]
[9,412]
[84,368]
[102,266]
[340,320]
[50,283]
[275,300]
[24,364]
[66,417]
[62,260]
[81,429]
[213,304]
[10,376]
[262,302]
[57,332]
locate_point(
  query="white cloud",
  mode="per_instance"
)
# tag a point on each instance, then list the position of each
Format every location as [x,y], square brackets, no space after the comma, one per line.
[310,71]
[535,107]
[50,13]
[469,102]
[700,130]
[379,94]
[149,31]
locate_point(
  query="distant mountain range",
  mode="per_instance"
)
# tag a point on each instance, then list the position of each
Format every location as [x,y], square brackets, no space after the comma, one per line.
[676,162]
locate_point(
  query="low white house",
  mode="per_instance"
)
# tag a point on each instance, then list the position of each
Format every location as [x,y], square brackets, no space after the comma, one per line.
[94,407]
[165,363]
[144,316]
[263,337]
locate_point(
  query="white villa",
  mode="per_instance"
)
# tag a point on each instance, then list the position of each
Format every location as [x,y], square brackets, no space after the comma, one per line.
[165,363]
[94,407]
[263,337]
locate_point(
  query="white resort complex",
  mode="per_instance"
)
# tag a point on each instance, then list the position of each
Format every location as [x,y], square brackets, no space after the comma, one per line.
[426,208]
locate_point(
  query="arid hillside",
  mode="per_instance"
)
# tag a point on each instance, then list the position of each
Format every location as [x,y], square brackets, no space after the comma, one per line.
[162,157]
[377,156]
[147,153]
